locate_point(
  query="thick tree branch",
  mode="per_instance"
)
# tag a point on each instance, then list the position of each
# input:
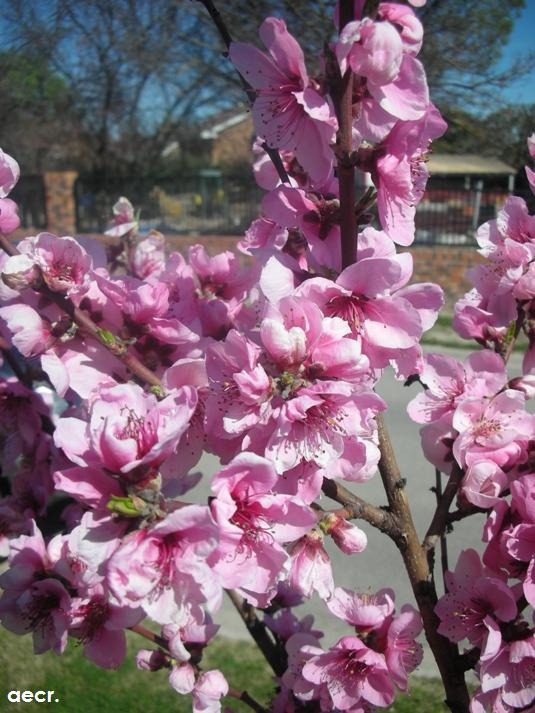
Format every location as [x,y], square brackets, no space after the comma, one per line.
[417,565]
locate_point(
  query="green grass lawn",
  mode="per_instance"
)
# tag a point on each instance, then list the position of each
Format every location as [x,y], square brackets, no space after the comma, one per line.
[84,688]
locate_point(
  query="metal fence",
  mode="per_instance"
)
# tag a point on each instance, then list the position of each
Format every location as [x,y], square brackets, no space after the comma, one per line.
[29,194]
[210,203]
[206,203]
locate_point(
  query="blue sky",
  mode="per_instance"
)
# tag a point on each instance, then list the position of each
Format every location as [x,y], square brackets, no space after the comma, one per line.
[522,40]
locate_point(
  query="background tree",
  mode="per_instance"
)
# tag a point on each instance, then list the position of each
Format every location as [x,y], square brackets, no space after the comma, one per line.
[37,115]
[133,73]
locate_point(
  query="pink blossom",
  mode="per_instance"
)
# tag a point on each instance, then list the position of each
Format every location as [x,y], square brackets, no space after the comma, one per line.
[353,674]
[313,214]
[512,672]
[301,647]
[401,173]
[9,217]
[511,236]
[285,624]
[127,428]
[33,600]
[164,569]
[253,522]
[310,566]
[349,538]
[30,333]
[20,271]
[497,430]
[288,112]
[124,220]
[99,625]
[483,483]
[42,608]
[9,174]
[315,425]
[448,382]
[219,276]
[147,259]
[372,49]
[473,595]
[64,263]
[407,23]
[403,653]
[210,687]
[367,296]
[366,612]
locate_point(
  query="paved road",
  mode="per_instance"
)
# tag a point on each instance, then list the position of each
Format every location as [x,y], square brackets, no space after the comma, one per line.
[379,565]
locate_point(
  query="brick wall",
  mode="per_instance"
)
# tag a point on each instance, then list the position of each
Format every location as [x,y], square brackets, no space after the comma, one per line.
[60,203]
[445,265]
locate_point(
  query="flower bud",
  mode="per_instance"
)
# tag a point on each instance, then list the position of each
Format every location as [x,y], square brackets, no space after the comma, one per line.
[151,660]
[20,271]
[349,538]
[9,217]
[526,384]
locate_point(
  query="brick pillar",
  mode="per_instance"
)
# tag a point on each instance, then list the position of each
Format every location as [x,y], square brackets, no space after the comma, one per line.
[60,203]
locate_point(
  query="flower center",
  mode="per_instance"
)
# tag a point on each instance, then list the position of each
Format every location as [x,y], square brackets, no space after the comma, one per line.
[348,308]
[139,429]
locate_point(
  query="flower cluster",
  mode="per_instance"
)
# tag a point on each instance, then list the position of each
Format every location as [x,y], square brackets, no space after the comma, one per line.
[476,420]
[270,361]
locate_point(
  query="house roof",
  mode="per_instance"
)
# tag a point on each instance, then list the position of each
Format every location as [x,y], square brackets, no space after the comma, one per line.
[212,131]
[466,164]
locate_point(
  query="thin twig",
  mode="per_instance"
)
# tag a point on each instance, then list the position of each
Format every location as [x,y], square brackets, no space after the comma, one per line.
[275,657]
[464,512]
[232,692]
[342,94]
[441,516]
[443,538]
[251,93]
[150,635]
[246,698]
[357,508]
[518,327]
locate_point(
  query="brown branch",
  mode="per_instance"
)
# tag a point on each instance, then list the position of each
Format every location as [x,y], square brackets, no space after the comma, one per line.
[84,321]
[443,538]
[462,513]
[441,516]
[275,657]
[517,328]
[355,507]
[150,635]
[417,565]
[244,697]
[342,95]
